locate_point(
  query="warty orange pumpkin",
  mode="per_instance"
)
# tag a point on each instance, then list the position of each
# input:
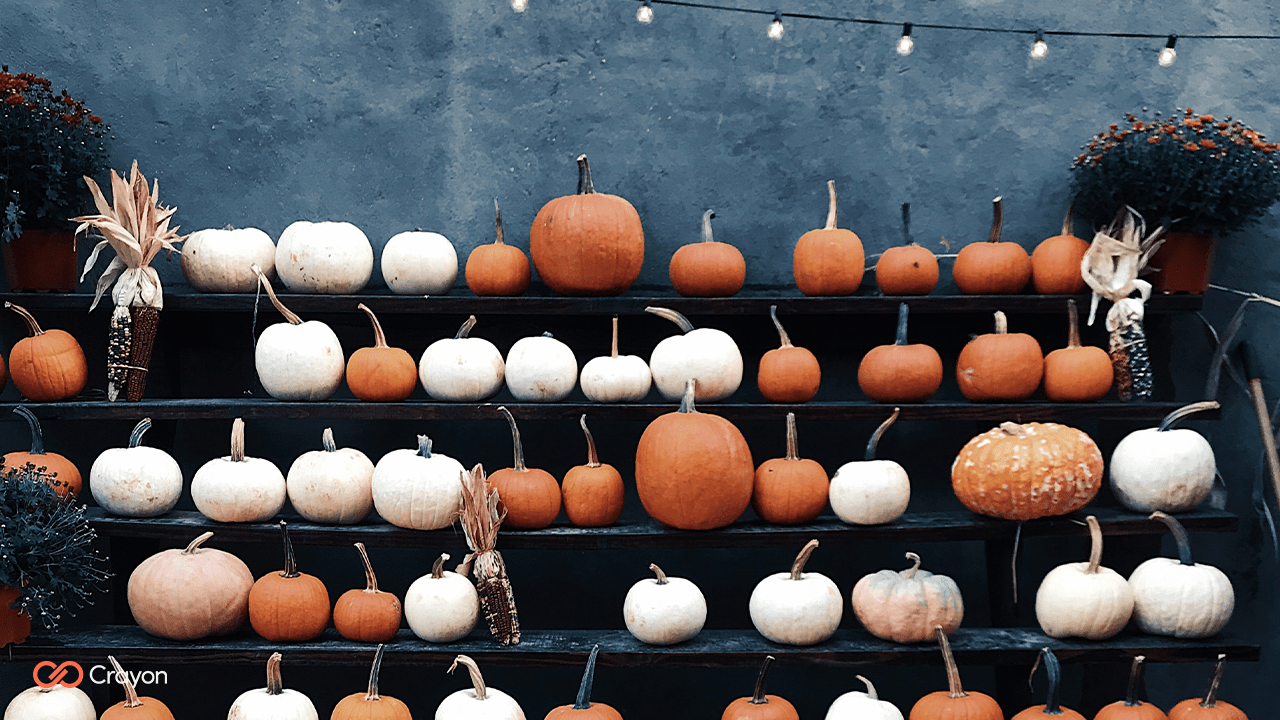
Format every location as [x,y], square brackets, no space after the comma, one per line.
[381,373]
[1022,472]
[992,267]
[1210,708]
[583,708]
[828,261]
[371,705]
[288,606]
[707,268]
[954,703]
[592,493]
[1055,263]
[1131,708]
[65,476]
[760,706]
[900,372]
[907,269]
[368,615]
[788,374]
[531,496]
[497,269]
[789,490]
[48,365]
[1000,366]
[1077,373]
[133,707]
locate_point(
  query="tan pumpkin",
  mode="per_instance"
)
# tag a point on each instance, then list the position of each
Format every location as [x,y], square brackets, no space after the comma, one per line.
[190,594]
[1022,472]
[790,490]
[906,606]
[1077,373]
[1000,366]
[708,268]
[1055,263]
[992,267]
[497,269]
[788,374]
[828,261]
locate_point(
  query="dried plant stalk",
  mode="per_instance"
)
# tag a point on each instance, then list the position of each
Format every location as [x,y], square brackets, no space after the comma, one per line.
[482,516]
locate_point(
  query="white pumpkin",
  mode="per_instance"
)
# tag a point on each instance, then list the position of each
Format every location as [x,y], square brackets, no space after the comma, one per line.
[221,261]
[237,488]
[480,702]
[871,491]
[273,702]
[56,703]
[614,377]
[136,481]
[908,606]
[418,489]
[1084,599]
[858,705]
[443,606]
[331,485]
[1180,598]
[541,369]
[297,360]
[332,258]
[664,610]
[419,263]
[1170,470]
[709,356]
[797,608]
[462,368]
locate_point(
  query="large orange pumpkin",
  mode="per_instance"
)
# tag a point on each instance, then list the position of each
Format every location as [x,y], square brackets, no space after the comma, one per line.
[48,365]
[368,615]
[1077,373]
[1000,366]
[370,705]
[1210,708]
[759,706]
[992,267]
[1022,472]
[907,269]
[531,496]
[788,374]
[381,373]
[954,703]
[133,707]
[288,606]
[828,261]
[587,244]
[1050,709]
[583,708]
[497,269]
[708,268]
[66,476]
[789,490]
[592,493]
[694,470]
[1055,263]
[900,373]
[1131,708]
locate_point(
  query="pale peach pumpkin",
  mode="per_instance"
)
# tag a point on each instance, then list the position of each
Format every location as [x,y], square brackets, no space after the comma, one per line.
[906,606]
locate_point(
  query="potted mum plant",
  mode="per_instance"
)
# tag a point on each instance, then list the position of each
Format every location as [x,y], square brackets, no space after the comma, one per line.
[1200,176]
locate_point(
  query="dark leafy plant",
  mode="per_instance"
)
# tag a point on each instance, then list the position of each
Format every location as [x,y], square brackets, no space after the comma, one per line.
[48,142]
[1189,172]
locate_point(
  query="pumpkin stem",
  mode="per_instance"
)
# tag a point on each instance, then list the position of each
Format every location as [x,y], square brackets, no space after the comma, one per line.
[915,566]
[1002,323]
[290,561]
[1014,429]
[997,220]
[32,326]
[874,442]
[831,206]
[901,338]
[499,238]
[275,686]
[583,701]
[195,544]
[370,580]
[673,316]
[797,567]
[1054,671]
[237,440]
[424,446]
[1073,325]
[793,444]
[1095,546]
[517,448]
[37,435]
[593,459]
[613,351]
[1179,536]
[135,437]
[327,441]
[706,226]
[758,697]
[585,187]
[477,680]
[1173,417]
[1211,696]
[782,333]
[1135,676]
[465,330]
[379,337]
[906,225]
[686,401]
[955,690]
[372,694]
[437,568]
[288,314]
[130,693]
[1068,226]
[662,577]
[871,689]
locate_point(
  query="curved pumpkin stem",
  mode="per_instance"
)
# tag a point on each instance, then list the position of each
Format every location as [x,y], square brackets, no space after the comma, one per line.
[758,697]
[915,566]
[194,545]
[275,685]
[797,567]
[1135,675]
[673,316]
[662,577]
[499,237]
[1068,226]
[782,333]
[477,680]
[831,206]
[793,438]
[1073,325]
[135,437]
[954,688]
[1054,671]
[593,459]
[871,689]
[706,226]
[517,448]
[437,568]
[686,401]
[33,327]
[1095,545]
[290,560]
[1002,323]
[237,440]
[130,693]
[997,220]
[1179,536]
[906,224]
[583,701]
[1211,695]
[1186,410]
[613,350]
[901,338]
[465,330]
[370,580]
[379,337]
[288,314]
[372,694]
[585,187]
[37,435]
[874,442]
[327,441]
[424,446]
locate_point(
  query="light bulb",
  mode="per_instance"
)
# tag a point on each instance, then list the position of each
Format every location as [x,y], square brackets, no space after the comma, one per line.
[519,5]
[1039,48]
[775,27]
[905,43]
[1168,54]
[645,13]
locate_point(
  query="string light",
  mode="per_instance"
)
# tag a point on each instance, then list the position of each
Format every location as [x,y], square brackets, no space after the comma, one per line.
[520,5]
[775,27]
[905,43]
[645,13]
[1039,48]
[1168,54]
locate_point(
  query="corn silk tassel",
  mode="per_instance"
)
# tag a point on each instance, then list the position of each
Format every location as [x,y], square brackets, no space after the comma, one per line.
[482,515]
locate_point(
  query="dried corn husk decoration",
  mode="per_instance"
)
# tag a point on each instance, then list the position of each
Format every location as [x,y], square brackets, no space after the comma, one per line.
[482,515]
[137,228]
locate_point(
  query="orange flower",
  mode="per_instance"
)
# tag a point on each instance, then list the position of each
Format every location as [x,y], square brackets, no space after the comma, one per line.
[1190,147]
[1208,144]
[95,119]
[1206,118]
[1113,127]
[1139,126]
[1223,125]
[1153,139]
[1190,111]
[1170,129]
[15,99]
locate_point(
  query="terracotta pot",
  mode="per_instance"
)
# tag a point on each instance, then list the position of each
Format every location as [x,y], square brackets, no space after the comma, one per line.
[1185,261]
[15,625]
[41,261]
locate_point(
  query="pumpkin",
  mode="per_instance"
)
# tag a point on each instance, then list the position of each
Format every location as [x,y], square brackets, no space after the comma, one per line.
[1076,373]
[828,261]
[417,489]
[54,703]
[582,706]
[954,702]
[614,377]
[1022,472]
[907,269]
[190,594]
[4,374]
[498,269]
[759,706]
[906,606]
[531,496]
[333,258]
[134,707]
[992,267]
[368,615]
[297,360]
[238,488]
[15,625]
[480,701]
[1084,599]
[1050,708]
[871,491]
[708,268]
[1180,598]
[419,263]
[541,369]
[1055,263]
[857,705]
[461,368]
[797,608]
[288,606]
[66,478]
[592,494]
[136,481]
[273,702]
[1163,468]
[900,373]
[707,355]
[220,260]
[664,610]
[693,470]
[1210,708]
[443,606]
[1000,366]
[370,705]
[331,485]
[587,244]
[788,374]
[47,365]
[381,373]
[789,490]
[1131,708]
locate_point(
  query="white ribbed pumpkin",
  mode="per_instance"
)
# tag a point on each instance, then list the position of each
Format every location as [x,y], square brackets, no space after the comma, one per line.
[221,261]
[614,377]
[462,368]
[332,258]
[273,702]
[871,491]
[479,702]
[56,703]
[664,610]
[1180,598]
[1084,599]
[298,360]
[704,354]
[331,485]
[418,489]
[237,488]
[541,369]
[443,606]
[858,705]
[136,481]
[419,263]
[797,608]
[1160,468]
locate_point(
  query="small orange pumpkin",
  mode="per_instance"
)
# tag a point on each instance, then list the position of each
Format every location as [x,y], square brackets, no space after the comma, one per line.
[789,490]
[760,706]
[530,496]
[1000,366]
[1210,708]
[992,267]
[828,261]
[288,606]
[1131,708]
[788,374]
[381,373]
[1055,263]
[134,707]
[708,268]
[592,493]
[1023,472]
[1051,708]
[1077,373]
[370,705]
[368,615]
[907,269]
[48,365]
[900,373]
[497,269]
[583,708]
[66,478]
[954,703]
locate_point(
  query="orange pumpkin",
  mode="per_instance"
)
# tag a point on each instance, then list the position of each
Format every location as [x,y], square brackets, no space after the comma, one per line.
[583,708]
[828,261]
[368,615]
[760,706]
[497,269]
[1131,708]
[1076,373]
[370,705]
[900,373]
[1055,263]
[1022,472]
[1210,708]
[381,373]
[4,374]
[15,625]
[48,365]
[788,490]
[288,606]
[1000,366]
[592,493]
[788,374]
[908,269]
[708,268]
[992,267]
[1051,708]
[530,496]
[587,244]
[954,703]
[693,470]
[133,707]
[66,477]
